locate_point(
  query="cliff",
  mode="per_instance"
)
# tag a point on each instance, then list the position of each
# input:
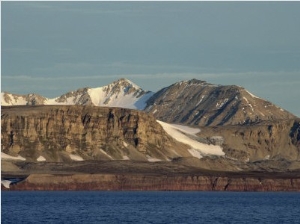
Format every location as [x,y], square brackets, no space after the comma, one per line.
[63,133]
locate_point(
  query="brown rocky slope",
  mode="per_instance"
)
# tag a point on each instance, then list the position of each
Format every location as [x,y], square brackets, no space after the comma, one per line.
[199,103]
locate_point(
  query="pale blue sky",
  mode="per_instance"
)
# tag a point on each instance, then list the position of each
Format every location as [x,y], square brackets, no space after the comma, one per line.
[51,48]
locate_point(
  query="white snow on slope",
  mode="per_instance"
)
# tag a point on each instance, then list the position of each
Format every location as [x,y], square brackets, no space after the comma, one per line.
[252,95]
[99,97]
[198,149]
[126,158]
[53,101]
[41,158]
[76,157]
[5,183]
[122,93]
[18,100]
[152,160]
[5,156]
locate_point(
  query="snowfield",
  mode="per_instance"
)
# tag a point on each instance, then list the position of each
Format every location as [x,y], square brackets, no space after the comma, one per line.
[76,157]
[6,183]
[5,157]
[198,149]
[100,97]
[41,159]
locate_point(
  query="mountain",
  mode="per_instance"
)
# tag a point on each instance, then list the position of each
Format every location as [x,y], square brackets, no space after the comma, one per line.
[187,134]
[191,102]
[121,93]
[199,103]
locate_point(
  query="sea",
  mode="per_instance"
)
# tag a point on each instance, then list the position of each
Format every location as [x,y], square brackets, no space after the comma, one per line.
[174,207]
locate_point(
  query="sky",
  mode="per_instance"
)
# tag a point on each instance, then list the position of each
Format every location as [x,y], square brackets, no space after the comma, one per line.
[51,48]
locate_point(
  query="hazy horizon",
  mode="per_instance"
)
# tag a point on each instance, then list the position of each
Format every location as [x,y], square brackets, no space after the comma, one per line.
[50,48]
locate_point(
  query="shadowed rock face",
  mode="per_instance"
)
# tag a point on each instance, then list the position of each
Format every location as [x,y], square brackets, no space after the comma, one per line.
[56,132]
[199,103]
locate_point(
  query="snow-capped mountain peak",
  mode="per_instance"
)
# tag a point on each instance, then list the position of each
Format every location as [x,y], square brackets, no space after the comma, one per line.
[120,93]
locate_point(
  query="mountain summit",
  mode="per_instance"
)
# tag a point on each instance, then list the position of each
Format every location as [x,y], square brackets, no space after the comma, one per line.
[196,102]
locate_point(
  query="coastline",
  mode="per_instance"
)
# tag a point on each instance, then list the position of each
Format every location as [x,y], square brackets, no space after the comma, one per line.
[141,182]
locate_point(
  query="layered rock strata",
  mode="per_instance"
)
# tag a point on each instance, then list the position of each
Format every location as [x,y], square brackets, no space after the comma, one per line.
[157,182]
[57,132]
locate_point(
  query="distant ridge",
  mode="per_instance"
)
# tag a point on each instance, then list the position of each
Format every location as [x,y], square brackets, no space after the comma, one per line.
[121,93]
[191,102]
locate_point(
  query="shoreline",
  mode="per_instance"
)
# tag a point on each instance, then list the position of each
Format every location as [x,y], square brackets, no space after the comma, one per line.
[140,182]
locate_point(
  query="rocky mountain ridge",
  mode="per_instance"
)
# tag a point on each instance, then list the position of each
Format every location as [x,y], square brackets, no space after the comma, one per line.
[121,93]
[191,102]
[199,103]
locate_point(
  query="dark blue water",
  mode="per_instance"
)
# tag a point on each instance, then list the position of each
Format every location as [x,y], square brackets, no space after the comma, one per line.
[149,207]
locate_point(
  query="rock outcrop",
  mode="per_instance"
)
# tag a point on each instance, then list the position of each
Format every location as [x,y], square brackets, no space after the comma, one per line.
[60,133]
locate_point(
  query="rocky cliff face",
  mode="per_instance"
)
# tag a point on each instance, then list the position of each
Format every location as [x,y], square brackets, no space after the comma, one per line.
[199,103]
[62,133]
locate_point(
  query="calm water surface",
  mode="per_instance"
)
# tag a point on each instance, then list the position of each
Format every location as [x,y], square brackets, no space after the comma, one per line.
[149,207]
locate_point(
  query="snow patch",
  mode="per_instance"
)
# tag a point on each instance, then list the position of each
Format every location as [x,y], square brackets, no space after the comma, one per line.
[41,158]
[126,158]
[195,153]
[101,150]
[6,183]
[221,104]
[5,156]
[151,159]
[249,104]
[252,95]
[180,132]
[125,144]
[76,157]
[13,100]
[100,97]
[202,97]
